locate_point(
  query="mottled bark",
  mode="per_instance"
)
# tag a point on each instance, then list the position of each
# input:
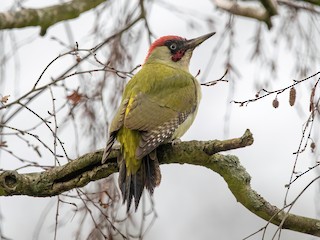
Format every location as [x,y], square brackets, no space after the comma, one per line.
[46,17]
[87,168]
[265,9]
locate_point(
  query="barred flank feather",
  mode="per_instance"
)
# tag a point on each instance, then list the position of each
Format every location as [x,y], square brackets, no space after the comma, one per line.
[132,185]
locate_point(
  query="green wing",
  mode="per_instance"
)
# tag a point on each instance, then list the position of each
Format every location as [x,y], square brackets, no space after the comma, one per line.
[155,102]
[116,124]
[146,114]
[158,105]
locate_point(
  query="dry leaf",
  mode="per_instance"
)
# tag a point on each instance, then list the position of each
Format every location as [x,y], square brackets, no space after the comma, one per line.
[74,97]
[5,99]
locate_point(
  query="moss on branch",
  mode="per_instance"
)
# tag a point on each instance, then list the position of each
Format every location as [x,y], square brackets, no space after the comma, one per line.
[47,16]
[87,168]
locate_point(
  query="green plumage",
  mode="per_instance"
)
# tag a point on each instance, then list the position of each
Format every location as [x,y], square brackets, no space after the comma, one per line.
[155,102]
[158,105]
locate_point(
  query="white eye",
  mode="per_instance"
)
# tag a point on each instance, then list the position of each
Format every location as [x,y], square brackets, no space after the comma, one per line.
[173,46]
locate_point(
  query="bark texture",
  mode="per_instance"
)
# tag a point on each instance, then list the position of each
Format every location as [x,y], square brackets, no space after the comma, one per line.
[46,17]
[87,168]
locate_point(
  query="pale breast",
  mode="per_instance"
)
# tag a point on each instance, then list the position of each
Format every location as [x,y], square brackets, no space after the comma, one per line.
[183,128]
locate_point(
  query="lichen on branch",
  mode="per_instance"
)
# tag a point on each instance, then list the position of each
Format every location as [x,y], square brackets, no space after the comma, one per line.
[87,168]
[47,16]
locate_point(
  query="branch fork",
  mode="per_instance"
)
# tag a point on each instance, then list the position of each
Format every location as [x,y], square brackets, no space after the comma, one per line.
[87,168]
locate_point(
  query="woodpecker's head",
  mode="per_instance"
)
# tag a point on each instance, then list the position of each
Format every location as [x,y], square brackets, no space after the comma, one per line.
[174,50]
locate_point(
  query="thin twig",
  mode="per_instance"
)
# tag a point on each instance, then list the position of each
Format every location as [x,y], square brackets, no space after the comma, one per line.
[214,82]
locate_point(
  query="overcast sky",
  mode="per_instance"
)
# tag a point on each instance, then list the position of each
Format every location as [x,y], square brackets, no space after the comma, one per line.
[192,202]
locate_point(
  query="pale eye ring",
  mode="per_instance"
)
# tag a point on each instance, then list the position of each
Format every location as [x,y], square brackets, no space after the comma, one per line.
[173,46]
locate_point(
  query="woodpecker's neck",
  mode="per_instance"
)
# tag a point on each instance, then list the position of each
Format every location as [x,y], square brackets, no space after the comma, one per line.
[163,55]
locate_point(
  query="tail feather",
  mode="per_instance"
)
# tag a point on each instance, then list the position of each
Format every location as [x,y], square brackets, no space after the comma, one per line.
[132,185]
[108,148]
[137,186]
[152,171]
[122,174]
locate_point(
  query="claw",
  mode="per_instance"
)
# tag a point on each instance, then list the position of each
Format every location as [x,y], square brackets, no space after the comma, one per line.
[175,141]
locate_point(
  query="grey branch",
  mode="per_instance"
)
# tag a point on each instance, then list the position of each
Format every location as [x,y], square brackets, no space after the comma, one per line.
[262,12]
[46,17]
[271,6]
[300,5]
[87,168]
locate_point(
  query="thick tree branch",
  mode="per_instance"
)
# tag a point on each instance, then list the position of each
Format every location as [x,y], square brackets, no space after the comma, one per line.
[299,5]
[264,12]
[88,168]
[314,2]
[46,17]
[271,6]
[243,9]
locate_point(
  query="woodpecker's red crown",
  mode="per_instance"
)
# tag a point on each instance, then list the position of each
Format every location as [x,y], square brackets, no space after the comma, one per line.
[177,46]
[165,41]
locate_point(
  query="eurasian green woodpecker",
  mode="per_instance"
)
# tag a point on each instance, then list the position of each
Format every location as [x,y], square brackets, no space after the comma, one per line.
[158,105]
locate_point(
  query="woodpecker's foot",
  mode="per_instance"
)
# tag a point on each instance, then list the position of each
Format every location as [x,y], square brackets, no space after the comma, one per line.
[175,141]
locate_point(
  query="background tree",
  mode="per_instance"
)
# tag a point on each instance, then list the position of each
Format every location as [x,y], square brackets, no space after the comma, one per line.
[59,87]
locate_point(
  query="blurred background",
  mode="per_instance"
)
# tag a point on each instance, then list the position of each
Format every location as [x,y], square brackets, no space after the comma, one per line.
[79,68]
